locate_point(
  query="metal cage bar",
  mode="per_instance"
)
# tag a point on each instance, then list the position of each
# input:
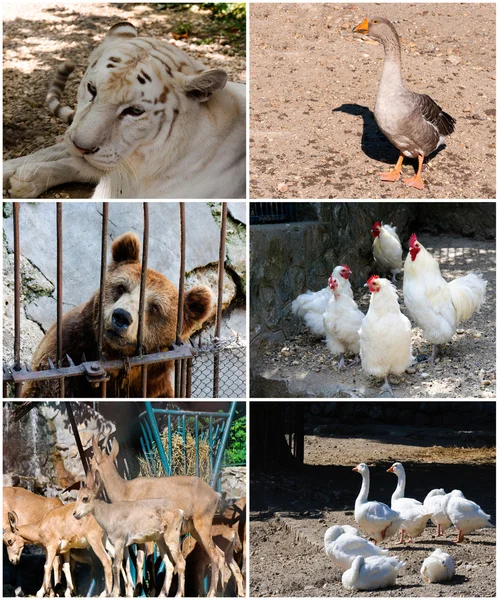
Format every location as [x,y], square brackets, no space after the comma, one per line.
[59,294]
[218,324]
[17,298]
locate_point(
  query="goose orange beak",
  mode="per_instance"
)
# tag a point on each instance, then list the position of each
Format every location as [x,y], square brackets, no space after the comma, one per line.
[362,27]
[355,469]
[390,470]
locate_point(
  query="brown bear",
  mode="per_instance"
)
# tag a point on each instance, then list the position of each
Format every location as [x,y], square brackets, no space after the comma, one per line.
[80,328]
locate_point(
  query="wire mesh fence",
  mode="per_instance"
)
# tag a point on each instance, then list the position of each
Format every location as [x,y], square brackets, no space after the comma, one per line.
[232,369]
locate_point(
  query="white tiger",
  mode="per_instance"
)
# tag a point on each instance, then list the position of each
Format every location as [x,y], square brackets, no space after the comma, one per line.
[151,122]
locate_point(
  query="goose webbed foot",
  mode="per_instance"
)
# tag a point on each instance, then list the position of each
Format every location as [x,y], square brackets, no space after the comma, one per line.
[394,174]
[416,181]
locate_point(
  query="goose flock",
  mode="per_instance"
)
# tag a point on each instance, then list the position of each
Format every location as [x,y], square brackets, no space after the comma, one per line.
[366,566]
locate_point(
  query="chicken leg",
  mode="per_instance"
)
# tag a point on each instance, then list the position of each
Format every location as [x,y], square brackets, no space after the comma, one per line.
[394,174]
[416,181]
[386,387]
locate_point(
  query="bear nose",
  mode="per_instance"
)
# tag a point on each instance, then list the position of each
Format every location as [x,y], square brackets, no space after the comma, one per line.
[122,318]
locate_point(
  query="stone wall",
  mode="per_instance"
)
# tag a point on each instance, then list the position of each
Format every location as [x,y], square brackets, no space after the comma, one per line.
[233,481]
[82,223]
[290,258]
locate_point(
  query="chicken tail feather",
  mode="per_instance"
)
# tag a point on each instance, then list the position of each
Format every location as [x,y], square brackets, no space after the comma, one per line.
[467,294]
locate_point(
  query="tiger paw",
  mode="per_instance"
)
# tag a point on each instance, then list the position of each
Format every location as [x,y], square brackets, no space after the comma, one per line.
[23,187]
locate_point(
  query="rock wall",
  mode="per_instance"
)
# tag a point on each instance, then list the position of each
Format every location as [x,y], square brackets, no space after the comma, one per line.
[82,224]
[234,481]
[288,259]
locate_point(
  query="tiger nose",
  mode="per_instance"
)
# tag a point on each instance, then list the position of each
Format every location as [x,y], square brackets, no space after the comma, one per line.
[84,150]
[122,319]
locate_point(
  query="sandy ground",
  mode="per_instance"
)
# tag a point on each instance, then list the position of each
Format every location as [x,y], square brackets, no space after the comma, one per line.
[292,510]
[37,36]
[313,90]
[466,366]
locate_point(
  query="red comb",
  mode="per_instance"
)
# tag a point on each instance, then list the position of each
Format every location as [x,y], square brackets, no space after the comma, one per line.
[412,240]
[346,267]
[377,225]
[372,278]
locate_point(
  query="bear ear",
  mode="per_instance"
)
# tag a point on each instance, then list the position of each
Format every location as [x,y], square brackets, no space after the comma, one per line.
[123,29]
[126,248]
[201,87]
[198,307]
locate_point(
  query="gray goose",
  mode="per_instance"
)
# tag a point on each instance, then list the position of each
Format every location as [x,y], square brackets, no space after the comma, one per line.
[413,123]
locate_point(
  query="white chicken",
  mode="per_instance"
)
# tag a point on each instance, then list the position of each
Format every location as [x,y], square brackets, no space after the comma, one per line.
[310,306]
[434,502]
[387,249]
[342,320]
[343,544]
[413,513]
[372,573]
[436,305]
[438,567]
[385,333]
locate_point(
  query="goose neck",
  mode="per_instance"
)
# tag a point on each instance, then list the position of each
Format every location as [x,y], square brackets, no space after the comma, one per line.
[400,489]
[364,490]
[392,66]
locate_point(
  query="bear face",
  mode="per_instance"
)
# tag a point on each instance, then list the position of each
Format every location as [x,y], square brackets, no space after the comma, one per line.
[80,329]
[122,300]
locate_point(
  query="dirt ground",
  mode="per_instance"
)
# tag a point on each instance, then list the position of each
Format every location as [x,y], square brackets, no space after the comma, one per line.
[37,36]
[313,90]
[466,367]
[292,510]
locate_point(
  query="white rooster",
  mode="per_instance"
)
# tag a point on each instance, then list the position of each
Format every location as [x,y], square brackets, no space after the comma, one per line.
[436,305]
[385,333]
[387,249]
[310,306]
[342,320]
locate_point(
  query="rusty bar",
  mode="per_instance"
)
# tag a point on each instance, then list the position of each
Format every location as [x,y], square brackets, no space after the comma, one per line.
[218,323]
[103,267]
[177,379]
[183,351]
[142,303]
[76,433]
[188,387]
[180,312]
[144,381]
[59,295]
[17,299]
[183,377]
[145,251]
[103,389]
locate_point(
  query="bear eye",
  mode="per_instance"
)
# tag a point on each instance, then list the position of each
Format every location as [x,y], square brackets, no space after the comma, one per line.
[10,542]
[154,308]
[133,111]
[92,90]
[121,289]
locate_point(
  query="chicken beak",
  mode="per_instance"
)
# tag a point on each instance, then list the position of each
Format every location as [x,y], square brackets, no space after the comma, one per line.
[362,27]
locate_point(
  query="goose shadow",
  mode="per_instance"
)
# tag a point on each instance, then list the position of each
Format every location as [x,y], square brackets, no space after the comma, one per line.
[374,144]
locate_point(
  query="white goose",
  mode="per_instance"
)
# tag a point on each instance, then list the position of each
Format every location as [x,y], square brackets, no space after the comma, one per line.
[343,544]
[434,502]
[376,518]
[465,514]
[414,514]
[438,567]
[373,573]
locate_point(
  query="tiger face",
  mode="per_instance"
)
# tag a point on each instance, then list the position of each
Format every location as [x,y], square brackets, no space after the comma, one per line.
[135,91]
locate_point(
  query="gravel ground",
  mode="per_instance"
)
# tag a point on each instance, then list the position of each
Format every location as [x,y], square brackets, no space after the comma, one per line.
[466,366]
[313,89]
[37,36]
[292,510]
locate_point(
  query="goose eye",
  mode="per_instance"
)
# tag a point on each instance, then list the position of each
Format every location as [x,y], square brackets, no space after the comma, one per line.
[375,21]
[133,111]
[92,90]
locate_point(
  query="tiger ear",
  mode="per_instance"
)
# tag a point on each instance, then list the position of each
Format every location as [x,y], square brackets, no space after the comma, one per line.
[201,87]
[123,29]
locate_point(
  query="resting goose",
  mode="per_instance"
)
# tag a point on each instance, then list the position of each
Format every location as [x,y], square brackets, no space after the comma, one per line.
[375,518]
[414,514]
[438,567]
[343,544]
[413,123]
[373,573]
